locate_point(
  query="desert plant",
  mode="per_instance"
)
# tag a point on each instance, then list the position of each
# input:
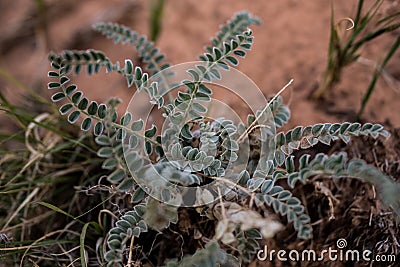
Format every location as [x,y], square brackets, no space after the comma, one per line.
[156,168]
[344,48]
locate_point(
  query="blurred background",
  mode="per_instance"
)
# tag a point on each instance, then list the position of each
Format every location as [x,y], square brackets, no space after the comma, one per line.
[46,163]
[291,42]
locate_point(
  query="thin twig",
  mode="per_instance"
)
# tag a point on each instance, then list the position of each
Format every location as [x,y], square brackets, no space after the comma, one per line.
[224,180]
[262,112]
[223,212]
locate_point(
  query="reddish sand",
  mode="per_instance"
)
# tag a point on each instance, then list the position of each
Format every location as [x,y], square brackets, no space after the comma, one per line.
[291,43]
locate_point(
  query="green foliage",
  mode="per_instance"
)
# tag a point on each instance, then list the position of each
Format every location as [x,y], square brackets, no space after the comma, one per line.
[306,137]
[156,14]
[345,49]
[146,49]
[194,150]
[248,244]
[130,225]
[238,24]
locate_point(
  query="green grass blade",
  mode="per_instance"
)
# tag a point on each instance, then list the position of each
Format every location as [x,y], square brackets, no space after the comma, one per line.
[378,70]
[56,209]
[82,244]
[359,9]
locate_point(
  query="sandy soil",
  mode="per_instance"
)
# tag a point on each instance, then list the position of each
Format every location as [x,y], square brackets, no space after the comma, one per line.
[291,43]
